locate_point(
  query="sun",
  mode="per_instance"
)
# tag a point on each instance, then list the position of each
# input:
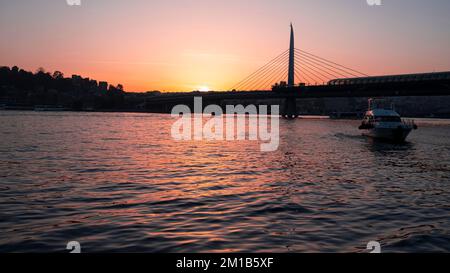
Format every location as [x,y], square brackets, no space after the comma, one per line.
[204,89]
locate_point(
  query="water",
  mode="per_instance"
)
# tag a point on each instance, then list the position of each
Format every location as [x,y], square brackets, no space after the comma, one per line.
[118,183]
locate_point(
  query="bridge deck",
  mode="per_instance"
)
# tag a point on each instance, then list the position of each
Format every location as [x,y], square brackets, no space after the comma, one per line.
[421,88]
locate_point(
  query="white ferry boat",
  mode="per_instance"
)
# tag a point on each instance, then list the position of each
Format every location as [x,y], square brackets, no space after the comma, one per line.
[385,123]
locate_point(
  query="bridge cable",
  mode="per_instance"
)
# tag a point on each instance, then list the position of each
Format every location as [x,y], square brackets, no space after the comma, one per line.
[262,75]
[268,72]
[261,68]
[278,75]
[334,69]
[333,73]
[256,76]
[324,68]
[307,75]
[312,72]
[323,78]
[306,72]
[300,78]
[319,69]
[268,76]
[332,64]
[323,59]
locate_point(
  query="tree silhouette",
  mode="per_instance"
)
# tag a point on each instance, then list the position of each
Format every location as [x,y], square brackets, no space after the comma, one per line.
[58,75]
[40,70]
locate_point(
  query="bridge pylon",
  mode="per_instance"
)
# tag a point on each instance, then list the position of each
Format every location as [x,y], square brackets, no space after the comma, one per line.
[291,72]
[289,107]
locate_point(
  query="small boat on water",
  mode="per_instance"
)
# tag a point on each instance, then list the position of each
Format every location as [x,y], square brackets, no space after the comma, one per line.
[385,123]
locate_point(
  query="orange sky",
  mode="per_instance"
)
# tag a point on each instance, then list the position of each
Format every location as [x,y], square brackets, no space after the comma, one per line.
[184,45]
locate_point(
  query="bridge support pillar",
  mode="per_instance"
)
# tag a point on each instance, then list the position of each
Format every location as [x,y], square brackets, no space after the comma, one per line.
[289,108]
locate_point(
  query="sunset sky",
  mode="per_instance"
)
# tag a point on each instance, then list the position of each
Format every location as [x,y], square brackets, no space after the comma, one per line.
[184,45]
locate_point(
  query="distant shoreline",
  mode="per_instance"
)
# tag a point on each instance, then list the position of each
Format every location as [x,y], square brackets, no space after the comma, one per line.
[420,118]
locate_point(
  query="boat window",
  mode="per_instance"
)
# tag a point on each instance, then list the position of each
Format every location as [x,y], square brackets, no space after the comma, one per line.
[388,119]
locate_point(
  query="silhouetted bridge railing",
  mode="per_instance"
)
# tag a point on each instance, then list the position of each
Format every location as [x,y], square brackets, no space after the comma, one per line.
[359,88]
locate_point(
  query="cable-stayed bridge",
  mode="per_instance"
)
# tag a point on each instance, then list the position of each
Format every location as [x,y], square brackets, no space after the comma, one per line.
[309,69]
[295,67]
[296,74]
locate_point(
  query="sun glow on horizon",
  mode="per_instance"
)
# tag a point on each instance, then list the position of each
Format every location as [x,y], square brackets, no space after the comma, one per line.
[204,89]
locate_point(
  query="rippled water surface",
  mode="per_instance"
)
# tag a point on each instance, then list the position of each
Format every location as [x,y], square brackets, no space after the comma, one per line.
[117,182]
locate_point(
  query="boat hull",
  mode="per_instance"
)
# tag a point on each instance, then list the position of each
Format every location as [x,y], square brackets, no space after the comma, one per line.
[391,134]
